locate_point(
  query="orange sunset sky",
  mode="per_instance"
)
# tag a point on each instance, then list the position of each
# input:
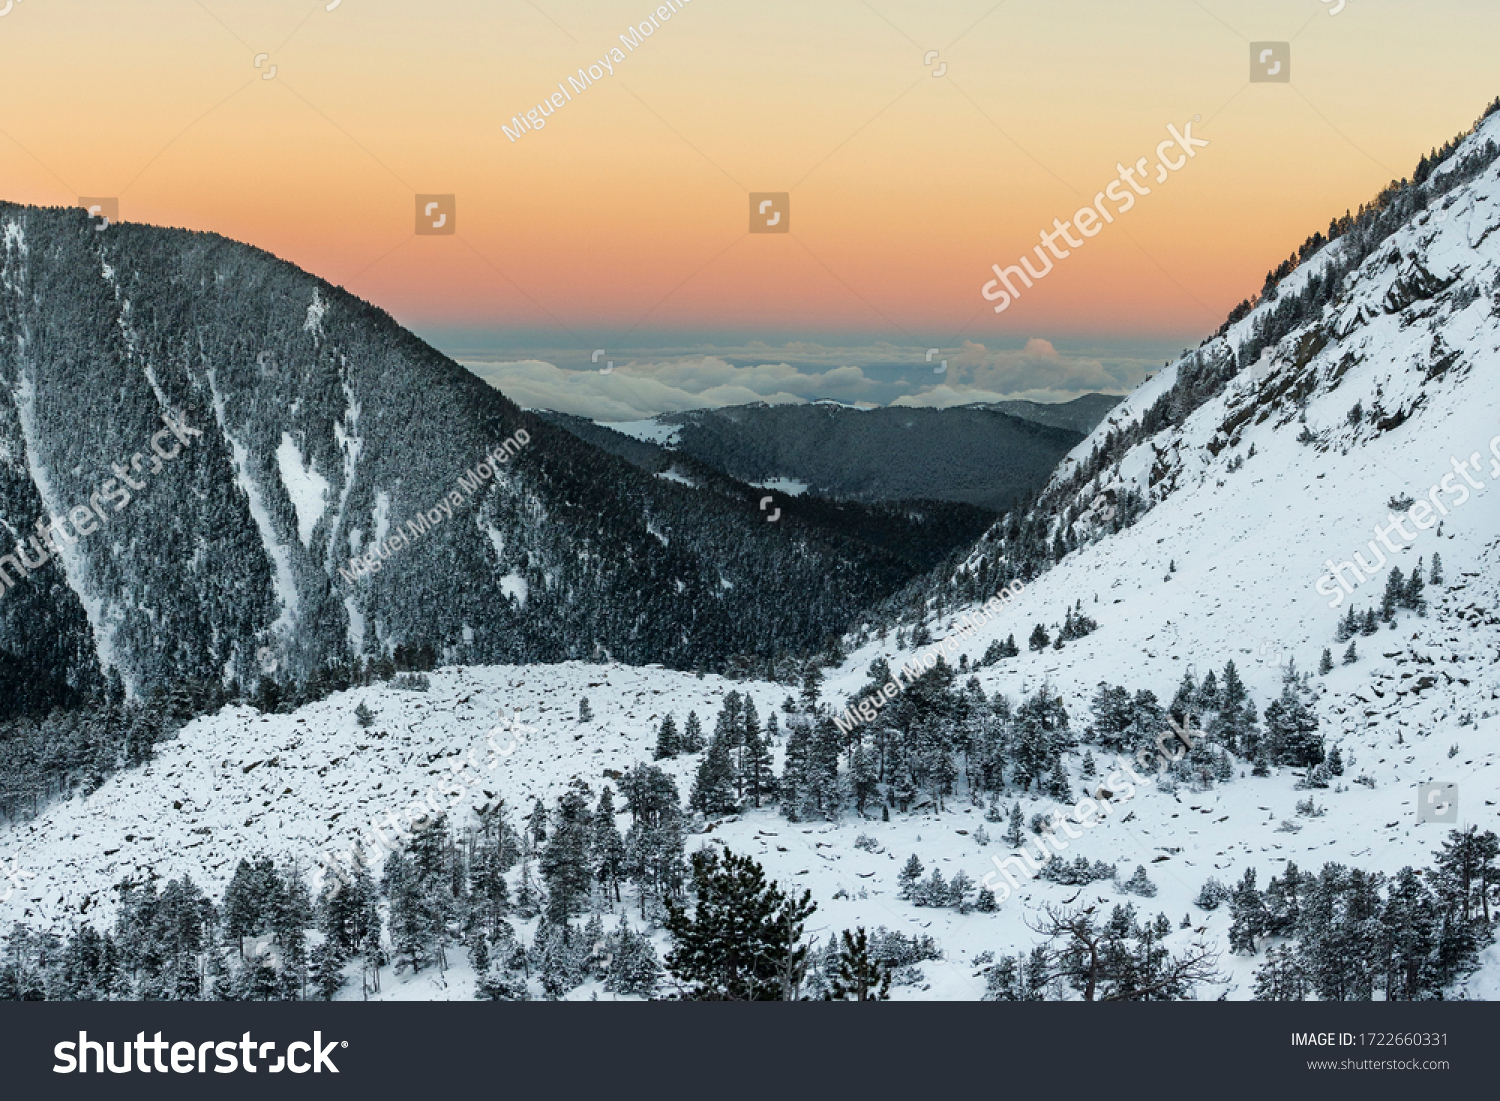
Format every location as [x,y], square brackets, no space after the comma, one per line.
[624,221]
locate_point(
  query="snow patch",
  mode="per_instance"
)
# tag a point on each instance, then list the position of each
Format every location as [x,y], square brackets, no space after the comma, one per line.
[304,485]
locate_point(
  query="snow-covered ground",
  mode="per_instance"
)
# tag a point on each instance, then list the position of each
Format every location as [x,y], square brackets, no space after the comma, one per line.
[790,486]
[650,431]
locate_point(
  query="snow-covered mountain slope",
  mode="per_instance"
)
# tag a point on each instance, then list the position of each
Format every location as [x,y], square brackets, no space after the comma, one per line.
[1246,494]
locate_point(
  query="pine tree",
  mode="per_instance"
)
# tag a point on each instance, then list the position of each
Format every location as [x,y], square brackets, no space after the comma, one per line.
[1351,655]
[536,822]
[714,787]
[414,921]
[1413,597]
[1055,785]
[863,776]
[910,879]
[565,863]
[666,739]
[1088,770]
[1248,912]
[607,846]
[1325,663]
[489,894]
[757,767]
[1437,570]
[743,941]
[1369,625]
[1139,883]
[1015,830]
[654,842]
[1395,592]
[1410,921]
[812,688]
[692,734]
[585,712]
[1039,640]
[1185,702]
[795,768]
[363,715]
[857,976]
[1292,728]
[1233,725]
[327,970]
[934,892]
[1280,978]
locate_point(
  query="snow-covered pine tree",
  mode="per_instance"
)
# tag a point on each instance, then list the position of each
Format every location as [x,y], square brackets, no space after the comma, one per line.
[1395,593]
[757,772]
[1413,597]
[1015,829]
[909,880]
[1139,883]
[692,734]
[667,739]
[863,776]
[565,862]
[743,942]
[714,786]
[856,976]
[1280,978]
[607,847]
[1248,915]
[1185,701]
[934,892]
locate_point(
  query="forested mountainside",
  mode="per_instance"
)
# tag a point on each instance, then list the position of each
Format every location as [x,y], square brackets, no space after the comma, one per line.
[976,454]
[314,428]
[921,534]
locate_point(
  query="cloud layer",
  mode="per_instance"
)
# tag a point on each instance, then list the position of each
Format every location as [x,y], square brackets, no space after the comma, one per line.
[646,385]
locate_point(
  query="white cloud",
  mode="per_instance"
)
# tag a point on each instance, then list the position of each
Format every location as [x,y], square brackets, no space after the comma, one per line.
[642,387]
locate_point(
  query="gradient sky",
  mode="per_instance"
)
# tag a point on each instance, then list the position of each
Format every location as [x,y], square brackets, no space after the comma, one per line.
[622,224]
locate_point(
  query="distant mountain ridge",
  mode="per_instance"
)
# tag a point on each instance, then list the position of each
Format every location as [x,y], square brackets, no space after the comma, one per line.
[981,455]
